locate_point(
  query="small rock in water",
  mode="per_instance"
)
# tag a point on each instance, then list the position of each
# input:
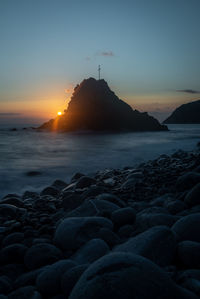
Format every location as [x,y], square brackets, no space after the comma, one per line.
[33,173]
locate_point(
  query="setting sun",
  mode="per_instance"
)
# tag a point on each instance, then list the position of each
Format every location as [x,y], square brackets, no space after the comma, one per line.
[59,113]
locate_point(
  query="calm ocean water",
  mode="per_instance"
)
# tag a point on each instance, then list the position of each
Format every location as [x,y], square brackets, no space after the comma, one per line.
[59,156]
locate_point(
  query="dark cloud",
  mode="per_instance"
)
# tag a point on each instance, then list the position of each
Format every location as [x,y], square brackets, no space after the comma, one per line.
[9,114]
[188,91]
[107,53]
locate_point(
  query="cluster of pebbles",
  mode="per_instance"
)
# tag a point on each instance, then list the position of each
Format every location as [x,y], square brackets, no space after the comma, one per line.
[124,233]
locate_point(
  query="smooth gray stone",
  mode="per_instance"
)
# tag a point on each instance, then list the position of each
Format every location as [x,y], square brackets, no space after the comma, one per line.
[73,232]
[48,282]
[157,244]
[91,251]
[193,196]
[40,255]
[187,228]
[188,254]
[124,275]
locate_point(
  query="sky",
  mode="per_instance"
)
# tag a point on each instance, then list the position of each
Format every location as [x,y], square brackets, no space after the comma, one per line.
[148,51]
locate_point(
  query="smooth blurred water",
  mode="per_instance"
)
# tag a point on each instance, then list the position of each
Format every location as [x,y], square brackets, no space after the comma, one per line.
[59,156]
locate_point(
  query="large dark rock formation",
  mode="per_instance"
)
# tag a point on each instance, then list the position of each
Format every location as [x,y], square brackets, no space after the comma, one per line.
[95,107]
[185,114]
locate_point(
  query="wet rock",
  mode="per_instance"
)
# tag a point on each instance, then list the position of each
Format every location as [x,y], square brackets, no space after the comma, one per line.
[15,201]
[111,198]
[58,184]
[30,195]
[145,220]
[188,254]
[50,191]
[76,176]
[70,277]
[192,285]
[7,210]
[94,207]
[27,292]
[12,271]
[49,281]
[123,275]
[93,191]
[5,285]
[109,237]
[187,228]
[28,278]
[157,244]
[70,200]
[73,232]
[129,184]
[123,216]
[13,253]
[40,255]
[13,238]
[126,231]
[84,182]
[91,251]
[187,180]
[175,206]
[193,196]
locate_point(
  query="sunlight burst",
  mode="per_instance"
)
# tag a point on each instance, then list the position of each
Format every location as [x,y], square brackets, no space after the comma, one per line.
[59,113]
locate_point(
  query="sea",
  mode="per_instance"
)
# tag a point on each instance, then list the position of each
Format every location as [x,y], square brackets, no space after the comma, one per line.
[61,155]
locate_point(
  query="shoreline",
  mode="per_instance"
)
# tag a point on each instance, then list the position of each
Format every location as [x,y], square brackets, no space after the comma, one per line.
[135,215]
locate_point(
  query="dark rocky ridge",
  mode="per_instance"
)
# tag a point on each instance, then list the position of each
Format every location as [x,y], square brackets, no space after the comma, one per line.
[121,233]
[185,114]
[95,107]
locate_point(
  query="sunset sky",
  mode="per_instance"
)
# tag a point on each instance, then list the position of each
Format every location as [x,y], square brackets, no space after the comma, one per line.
[148,50]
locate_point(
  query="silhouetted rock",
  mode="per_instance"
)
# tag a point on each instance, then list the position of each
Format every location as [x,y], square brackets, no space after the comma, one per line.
[95,107]
[185,114]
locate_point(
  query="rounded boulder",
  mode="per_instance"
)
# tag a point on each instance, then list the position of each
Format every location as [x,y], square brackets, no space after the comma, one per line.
[123,275]
[40,255]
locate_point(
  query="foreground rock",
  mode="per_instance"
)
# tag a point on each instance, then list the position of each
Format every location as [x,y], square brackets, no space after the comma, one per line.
[74,232]
[122,233]
[157,244]
[123,275]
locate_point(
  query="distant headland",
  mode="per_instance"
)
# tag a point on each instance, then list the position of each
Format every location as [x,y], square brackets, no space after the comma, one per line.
[95,107]
[185,114]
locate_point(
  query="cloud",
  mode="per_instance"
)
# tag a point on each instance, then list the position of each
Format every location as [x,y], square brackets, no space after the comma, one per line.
[107,53]
[188,91]
[9,114]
